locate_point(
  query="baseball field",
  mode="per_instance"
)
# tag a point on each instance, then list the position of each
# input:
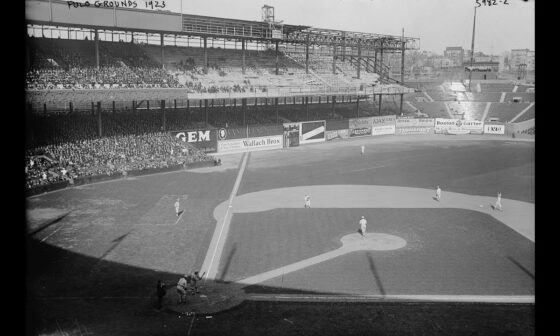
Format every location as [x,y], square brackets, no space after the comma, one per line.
[423,267]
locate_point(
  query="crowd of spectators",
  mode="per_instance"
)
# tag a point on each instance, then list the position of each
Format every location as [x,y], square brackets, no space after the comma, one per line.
[107,156]
[529,131]
[99,78]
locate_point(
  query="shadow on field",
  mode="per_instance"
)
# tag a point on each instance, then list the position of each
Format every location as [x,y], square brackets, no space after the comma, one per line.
[228,261]
[521,267]
[376,275]
[68,293]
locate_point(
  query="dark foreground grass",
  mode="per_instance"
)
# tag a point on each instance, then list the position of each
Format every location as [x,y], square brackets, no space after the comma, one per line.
[289,318]
[292,318]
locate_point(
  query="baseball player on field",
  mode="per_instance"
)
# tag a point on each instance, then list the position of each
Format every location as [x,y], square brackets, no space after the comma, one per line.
[498,204]
[438,193]
[307,201]
[363,225]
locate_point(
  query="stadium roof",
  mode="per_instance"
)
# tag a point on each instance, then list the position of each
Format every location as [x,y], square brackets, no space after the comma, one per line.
[61,13]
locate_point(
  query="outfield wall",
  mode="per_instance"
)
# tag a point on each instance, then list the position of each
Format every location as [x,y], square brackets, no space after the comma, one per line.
[235,140]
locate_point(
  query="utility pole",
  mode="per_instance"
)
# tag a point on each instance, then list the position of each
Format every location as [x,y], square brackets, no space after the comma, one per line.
[472,49]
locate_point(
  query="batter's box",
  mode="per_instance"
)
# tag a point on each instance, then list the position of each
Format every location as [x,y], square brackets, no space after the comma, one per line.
[163,211]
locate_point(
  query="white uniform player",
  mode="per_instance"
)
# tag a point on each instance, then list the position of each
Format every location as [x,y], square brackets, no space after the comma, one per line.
[438,193]
[363,225]
[307,201]
[177,205]
[363,149]
[498,204]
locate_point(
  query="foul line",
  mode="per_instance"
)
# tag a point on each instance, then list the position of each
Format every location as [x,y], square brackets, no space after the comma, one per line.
[397,298]
[178,219]
[52,233]
[210,272]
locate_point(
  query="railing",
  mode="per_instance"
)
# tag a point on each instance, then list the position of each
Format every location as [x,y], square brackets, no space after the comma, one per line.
[67,95]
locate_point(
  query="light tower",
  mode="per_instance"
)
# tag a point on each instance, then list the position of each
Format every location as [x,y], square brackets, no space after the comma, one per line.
[275,28]
[267,13]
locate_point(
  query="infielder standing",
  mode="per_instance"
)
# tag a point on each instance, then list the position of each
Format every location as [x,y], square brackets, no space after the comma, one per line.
[363,224]
[498,204]
[438,193]
[363,148]
[177,205]
[307,201]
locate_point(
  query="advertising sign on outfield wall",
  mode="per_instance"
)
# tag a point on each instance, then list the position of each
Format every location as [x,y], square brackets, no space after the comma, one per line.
[205,140]
[494,129]
[414,130]
[414,122]
[457,126]
[383,125]
[360,126]
[337,134]
[312,131]
[250,144]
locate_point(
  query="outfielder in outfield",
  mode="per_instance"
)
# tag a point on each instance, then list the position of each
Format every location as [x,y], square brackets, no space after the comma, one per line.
[307,201]
[438,193]
[177,205]
[363,226]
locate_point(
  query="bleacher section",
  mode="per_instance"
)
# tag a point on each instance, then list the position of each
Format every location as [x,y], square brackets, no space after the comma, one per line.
[469,110]
[525,97]
[494,87]
[433,109]
[529,114]
[506,111]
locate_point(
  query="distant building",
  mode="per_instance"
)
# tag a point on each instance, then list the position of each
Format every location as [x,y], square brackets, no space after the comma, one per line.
[522,56]
[455,54]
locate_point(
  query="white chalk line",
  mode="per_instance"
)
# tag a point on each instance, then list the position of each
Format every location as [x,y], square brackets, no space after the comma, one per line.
[210,271]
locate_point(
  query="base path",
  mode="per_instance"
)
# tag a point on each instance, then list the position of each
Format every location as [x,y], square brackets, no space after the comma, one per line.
[518,215]
[350,243]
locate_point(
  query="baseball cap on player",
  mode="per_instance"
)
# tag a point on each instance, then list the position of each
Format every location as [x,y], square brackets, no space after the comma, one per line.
[363,217]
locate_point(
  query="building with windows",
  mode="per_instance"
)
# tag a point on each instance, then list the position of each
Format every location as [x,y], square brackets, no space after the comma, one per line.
[522,56]
[455,54]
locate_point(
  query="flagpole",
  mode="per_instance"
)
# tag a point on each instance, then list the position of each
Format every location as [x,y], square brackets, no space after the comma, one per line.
[472,50]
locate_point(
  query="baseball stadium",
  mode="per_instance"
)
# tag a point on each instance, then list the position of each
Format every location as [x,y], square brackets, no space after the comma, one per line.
[293,168]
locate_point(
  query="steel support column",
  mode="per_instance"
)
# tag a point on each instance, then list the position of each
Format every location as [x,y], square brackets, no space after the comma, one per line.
[243,56]
[96,48]
[334,60]
[162,56]
[99,127]
[307,54]
[276,103]
[277,57]
[162,107]
[205,112]
[205,55]
[359,59]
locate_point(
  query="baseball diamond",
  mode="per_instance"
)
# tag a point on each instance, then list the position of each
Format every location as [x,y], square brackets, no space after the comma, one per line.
[190,172]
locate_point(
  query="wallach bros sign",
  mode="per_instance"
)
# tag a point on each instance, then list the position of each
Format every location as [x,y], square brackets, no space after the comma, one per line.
[250,144]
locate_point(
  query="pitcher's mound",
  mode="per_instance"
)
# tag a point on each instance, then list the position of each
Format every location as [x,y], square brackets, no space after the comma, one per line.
[372,241]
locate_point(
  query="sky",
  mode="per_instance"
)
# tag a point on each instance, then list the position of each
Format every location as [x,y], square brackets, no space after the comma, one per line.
[438,23]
